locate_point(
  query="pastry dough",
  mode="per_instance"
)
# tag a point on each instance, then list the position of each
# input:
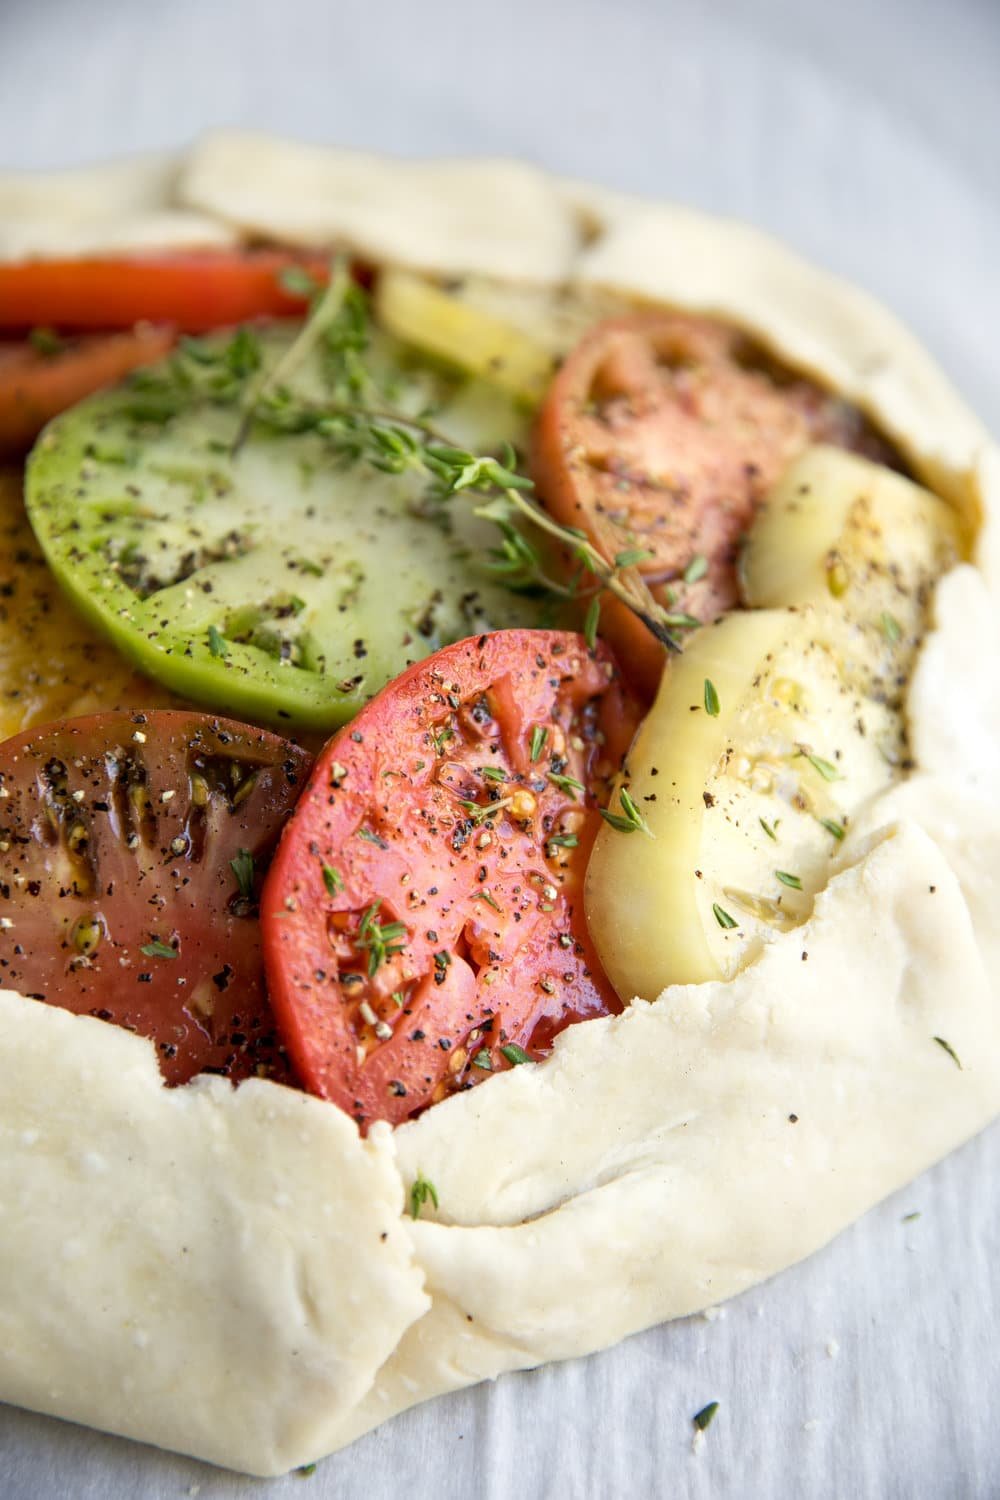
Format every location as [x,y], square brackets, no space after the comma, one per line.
[218,1259]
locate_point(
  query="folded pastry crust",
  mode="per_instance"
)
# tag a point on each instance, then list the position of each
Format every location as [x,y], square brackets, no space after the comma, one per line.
[233,1274]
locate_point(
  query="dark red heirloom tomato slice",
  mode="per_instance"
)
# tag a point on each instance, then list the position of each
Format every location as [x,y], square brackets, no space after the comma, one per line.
[424,910]
[194,291]
[132,849]
[662,432]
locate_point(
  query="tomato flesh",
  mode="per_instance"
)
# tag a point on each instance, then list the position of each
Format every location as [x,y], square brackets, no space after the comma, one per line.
[424,909]
[36,386]
[118,897]
[663,433]
[194,291]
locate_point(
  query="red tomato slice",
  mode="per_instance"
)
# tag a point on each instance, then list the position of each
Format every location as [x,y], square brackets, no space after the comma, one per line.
[194,292]
[35,387]
[424,910]
[662,433]
[119,895]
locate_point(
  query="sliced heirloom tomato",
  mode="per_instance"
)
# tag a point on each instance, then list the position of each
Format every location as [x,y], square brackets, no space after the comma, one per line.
[423,917]
[194,291]
[133,848]
[661,434]
[36,385]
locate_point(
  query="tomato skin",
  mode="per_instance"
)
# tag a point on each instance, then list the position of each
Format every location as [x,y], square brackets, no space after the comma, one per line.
[36,387]
[194,291]
[118,830]
[663,432]
[485,912]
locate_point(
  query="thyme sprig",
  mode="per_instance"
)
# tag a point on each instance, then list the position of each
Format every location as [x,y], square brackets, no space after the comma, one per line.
[362,427]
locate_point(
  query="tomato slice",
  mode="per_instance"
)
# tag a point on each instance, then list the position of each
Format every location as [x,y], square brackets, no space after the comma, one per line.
[662,433]
[424,910]
[36,386]
[194,291]
[133,851]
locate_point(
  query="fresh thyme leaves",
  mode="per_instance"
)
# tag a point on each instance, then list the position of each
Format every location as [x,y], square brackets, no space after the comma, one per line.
[696,568]
[567,784]
[711,699]
[242,868]
[538,737]
[46,341]
[630,558]
[790,880]
[333,308]
[361,425]
[478,811]
[372,838]
[562,841]
[770,828]
[833,827]
[891,628]
[826,768]
[217,641]
[630,819]
[515,1054]
[421,1192]
[485,896]
[909,1218]
[156,949]
[332,879]
[703,1418]
[482,1059]
[939,1039]
[492,773]
[381,940]
[722,916]
[592,621]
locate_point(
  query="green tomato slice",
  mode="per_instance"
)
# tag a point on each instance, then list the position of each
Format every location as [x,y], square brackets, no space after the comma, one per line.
[285,583]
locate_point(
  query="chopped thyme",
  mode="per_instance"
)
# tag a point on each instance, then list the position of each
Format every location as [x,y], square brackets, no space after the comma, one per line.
[711,699]
[770,828]
[826,768]
[567,784]
[46,341]
[909,1218]
[482,1059]
[592,621]
[703,1418]
[696,568]
[382,941]
[722,916]
[485,896]
[634,555]
[477,811]
[332,879]
[398,999]
[891,628]
[629,819]
[242,868]
[420,1192]
[790,880]
[833,827]
[939,1039]
[372,838]
[492,773]
[156,949]
[538,737]
[217,642]
[515,1054]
